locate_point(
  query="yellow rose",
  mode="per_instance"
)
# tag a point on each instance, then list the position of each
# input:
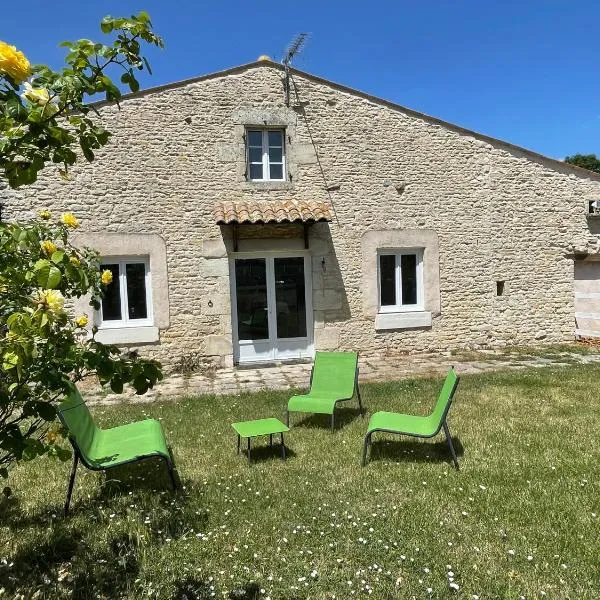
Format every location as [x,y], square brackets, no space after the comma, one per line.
[48,247]
[13,63]
[44,214]
[35,95]
[81,321]
[106,277]
[51,300]
[70,220]
[74,261]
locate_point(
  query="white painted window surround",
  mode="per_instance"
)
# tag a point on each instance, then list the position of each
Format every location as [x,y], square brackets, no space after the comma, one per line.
[400,280]
[128,329]
[265,152]
[128,293]
[400,289]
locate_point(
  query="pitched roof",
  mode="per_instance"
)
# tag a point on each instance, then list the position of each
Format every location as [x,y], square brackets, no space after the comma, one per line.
[558,165]
[272,211]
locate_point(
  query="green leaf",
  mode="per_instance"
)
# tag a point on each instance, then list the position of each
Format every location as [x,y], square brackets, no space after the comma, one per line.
[48,277]
[116,385]
[58,256]
[45,410]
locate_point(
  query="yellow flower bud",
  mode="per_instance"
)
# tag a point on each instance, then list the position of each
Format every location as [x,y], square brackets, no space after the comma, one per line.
[70,220]
[74,261]
[13,63]
[106,277]
[48,247]
[44,214]
[81,321]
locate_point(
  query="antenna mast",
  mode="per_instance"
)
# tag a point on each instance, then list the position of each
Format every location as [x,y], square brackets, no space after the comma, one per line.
[293,49]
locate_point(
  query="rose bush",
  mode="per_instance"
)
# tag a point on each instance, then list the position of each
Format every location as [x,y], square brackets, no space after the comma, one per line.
[44,349]
[44,117]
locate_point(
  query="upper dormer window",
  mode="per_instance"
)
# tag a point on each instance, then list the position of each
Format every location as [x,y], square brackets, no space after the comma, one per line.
[265,154]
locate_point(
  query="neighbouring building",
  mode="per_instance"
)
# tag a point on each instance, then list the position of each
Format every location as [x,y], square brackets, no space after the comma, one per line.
[241,227]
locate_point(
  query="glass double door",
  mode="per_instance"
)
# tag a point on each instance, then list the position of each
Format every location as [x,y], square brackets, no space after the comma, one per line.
[271,302]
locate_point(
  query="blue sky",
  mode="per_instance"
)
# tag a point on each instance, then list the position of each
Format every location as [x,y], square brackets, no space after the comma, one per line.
[523,71]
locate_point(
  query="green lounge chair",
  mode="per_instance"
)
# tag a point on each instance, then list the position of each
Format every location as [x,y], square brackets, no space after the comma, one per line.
[102,449]
[333,379]
[424,427]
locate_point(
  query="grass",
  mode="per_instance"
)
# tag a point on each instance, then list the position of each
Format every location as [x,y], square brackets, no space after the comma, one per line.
[518,520]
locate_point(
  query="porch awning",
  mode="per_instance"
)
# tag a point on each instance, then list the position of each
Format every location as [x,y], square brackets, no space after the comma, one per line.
[272,211]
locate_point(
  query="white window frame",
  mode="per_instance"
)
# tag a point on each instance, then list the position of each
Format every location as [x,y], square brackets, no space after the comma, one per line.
[125,321]
[266,164]
[399,306]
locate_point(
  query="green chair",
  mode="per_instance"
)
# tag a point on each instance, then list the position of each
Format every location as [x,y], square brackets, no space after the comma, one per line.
[103,449]
[423,427]
[333,379]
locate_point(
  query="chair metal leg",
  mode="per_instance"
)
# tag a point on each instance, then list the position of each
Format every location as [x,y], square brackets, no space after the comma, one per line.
[287,418]
[249,451]
[449,440]
[360,407]
[366,448]
[172,474]
[71,482]
[282,447]
[239,443]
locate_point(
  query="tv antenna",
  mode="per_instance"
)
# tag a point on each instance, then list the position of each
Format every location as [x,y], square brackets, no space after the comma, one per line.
[293,49]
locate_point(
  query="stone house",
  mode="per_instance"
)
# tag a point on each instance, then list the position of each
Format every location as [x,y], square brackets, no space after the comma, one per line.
[249,216]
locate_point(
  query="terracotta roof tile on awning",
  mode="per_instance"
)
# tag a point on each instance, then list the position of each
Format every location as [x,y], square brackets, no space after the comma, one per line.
[272,211]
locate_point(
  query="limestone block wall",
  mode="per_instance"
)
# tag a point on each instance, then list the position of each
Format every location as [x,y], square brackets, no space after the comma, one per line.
[499,214]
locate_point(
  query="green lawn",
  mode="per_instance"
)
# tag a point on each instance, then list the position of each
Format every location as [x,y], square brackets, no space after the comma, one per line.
[519,519]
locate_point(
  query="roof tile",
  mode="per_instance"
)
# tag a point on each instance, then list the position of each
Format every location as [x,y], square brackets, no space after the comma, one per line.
[272,211]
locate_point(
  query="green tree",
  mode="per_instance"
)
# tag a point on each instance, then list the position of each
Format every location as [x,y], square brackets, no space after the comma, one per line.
[585,161]
[45,350]
[44,116]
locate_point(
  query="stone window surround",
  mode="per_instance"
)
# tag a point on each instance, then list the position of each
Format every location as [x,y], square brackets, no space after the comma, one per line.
[267,118]
[132,245]
[375,241]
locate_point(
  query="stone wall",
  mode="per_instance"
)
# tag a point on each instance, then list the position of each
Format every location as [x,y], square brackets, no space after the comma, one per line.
[500,214]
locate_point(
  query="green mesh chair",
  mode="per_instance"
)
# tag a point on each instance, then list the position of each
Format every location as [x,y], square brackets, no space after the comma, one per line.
[103,449]
[333,379]
[423,427]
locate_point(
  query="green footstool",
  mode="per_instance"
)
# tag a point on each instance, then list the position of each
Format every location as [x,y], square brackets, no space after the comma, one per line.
[250,429]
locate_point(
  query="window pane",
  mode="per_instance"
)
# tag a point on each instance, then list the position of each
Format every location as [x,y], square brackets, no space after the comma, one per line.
[275,138]
[290,297]
[387,279]
[256,171]
[111,303]
[255,138]
[135,275]
[255,155]
[408,266]
[276,171]
[276,155]
[251,292]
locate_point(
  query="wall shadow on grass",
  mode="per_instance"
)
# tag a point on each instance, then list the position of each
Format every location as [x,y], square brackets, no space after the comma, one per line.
[405,449]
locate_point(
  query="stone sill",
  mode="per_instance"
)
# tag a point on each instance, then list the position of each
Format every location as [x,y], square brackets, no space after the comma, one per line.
[403,320]
[593,215]
[268,185]
[128,335]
